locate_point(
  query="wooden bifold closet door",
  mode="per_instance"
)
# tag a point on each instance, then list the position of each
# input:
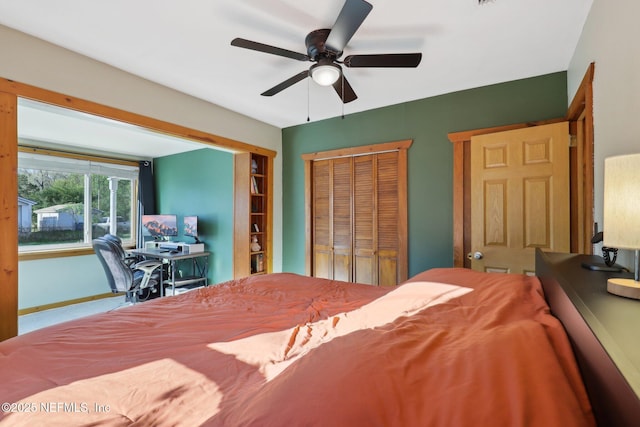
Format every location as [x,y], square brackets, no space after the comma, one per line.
[357,217]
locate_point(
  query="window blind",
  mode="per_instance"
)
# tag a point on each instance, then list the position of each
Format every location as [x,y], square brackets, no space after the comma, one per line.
[70,165]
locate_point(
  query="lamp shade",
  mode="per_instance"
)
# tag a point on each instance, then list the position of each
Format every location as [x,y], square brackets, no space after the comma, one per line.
[621,228]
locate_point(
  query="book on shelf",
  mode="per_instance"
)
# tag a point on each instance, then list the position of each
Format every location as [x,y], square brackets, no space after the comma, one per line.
[254,186]
[260,263]
[257,263]
[256,228]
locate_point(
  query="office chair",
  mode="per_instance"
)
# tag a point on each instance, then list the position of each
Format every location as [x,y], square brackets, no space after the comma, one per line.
[138,280]
[128,259]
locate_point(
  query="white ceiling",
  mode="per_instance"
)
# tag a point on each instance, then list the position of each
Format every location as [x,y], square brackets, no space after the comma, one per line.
[48,126]
[185,45]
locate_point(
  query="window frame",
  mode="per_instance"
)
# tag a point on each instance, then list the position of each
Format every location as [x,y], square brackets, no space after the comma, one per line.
[81,248]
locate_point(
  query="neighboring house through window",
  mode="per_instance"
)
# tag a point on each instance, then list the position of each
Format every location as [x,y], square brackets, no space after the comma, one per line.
[25,207]
[67,200]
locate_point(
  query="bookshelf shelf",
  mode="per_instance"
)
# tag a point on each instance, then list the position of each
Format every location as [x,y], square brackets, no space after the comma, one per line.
[253,206]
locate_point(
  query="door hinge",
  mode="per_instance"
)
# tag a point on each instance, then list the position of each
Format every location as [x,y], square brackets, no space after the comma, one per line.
[573,140]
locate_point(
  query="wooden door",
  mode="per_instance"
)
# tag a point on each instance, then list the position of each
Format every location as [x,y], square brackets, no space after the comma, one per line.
[388,212]
[519,197]
[376,219]
[332,181]
[342,224]
[322,220]
[356,210]
[365,224]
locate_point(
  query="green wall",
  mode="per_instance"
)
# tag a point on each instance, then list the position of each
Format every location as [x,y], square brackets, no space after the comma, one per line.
[427,122]
[201,183]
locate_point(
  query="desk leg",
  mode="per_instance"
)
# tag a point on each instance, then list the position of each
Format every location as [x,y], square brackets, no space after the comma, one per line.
[206,271]
[173,277]
[161,279]
[201,271]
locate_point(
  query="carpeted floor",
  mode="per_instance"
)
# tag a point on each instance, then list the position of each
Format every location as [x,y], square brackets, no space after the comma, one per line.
[32,321]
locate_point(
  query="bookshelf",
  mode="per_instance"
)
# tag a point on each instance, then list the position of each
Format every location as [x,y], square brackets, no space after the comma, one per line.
[253,210]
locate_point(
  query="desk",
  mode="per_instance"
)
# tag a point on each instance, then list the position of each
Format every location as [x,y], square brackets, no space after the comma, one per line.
[199,264]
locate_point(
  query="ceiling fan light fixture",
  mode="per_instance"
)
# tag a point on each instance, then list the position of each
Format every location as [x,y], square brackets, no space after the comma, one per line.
[325,74]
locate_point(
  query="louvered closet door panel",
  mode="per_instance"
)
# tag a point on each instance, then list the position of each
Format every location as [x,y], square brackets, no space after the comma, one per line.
[322,254]
[387,216]
[342,219]
[364,219]
[357,220]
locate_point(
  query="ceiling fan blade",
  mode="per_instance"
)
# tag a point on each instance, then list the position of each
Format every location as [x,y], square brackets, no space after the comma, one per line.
[348,94]
[261,47]
[351,17]
[384,60]
[285,84]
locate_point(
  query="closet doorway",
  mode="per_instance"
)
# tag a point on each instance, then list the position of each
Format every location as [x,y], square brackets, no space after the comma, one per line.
[356,213]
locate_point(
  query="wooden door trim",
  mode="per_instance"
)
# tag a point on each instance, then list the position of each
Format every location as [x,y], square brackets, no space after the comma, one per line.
[269,213]
[402,147]
[9,216]
[582,107]
[359,151]
[582,102]
[26,91]
[308,213]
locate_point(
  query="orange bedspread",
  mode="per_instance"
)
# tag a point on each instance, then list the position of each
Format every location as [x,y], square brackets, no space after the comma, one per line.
[287,350]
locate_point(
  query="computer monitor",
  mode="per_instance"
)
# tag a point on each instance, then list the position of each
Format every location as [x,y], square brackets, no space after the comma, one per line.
[191,227]
[159,226]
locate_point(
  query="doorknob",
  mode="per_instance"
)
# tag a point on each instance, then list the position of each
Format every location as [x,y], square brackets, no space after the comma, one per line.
[475,255]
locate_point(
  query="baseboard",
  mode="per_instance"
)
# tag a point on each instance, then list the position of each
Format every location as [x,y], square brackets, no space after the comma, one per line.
[65,303]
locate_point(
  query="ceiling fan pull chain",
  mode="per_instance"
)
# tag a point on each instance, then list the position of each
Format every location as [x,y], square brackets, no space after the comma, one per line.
[342,76]
[308,99]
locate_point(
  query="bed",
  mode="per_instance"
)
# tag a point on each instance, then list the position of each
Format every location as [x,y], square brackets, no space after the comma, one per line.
[449,347]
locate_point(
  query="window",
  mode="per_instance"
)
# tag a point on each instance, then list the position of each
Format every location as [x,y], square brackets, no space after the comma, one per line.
[67,200]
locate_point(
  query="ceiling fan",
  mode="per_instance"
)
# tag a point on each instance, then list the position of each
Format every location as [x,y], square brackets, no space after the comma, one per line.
[324,48]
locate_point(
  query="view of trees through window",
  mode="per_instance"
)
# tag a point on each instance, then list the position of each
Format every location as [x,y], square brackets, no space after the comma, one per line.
[52,203]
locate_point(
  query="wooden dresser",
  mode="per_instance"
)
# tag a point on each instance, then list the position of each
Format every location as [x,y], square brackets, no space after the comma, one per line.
[604,330]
